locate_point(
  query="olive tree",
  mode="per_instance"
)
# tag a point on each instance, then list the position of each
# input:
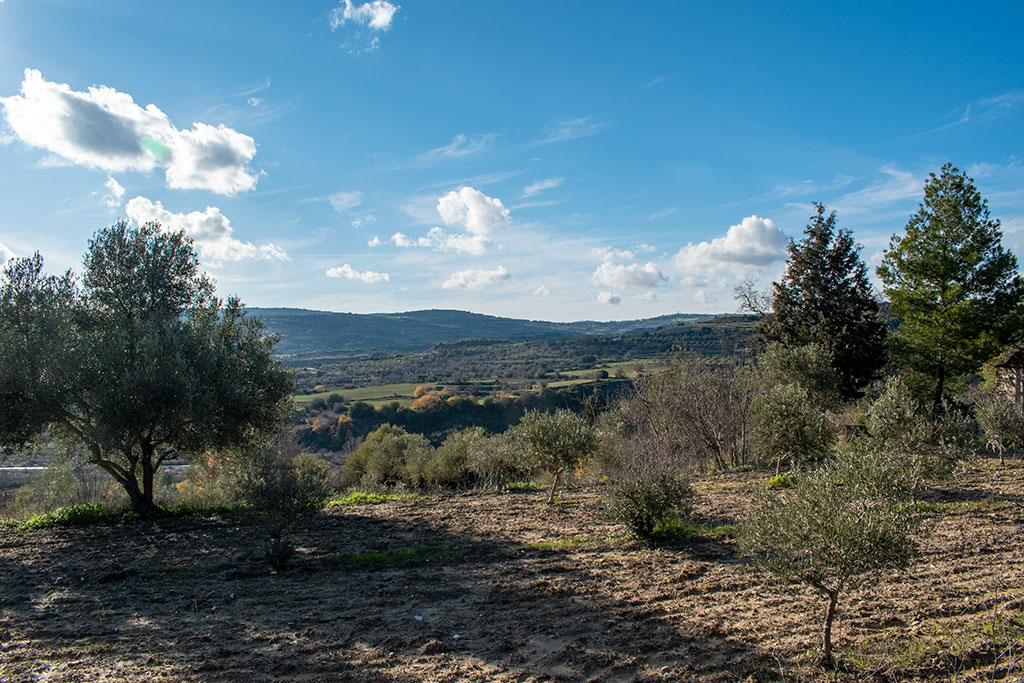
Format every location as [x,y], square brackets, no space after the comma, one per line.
[136,364]
[555,442]
[835,528]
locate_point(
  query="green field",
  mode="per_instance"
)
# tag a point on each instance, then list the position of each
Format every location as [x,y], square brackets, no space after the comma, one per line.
[384,393]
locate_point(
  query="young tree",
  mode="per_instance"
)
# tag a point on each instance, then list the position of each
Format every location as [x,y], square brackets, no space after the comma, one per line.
[555,442]
[953,286]
[825,299]
[138,365]
[835,529]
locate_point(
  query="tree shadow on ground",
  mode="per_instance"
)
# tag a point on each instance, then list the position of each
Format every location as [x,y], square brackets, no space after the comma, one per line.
[369,598]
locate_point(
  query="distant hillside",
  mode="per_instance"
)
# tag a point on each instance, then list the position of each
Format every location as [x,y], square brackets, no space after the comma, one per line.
[476,359]
[310,335]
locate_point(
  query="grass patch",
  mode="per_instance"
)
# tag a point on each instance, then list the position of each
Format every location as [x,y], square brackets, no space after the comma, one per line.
[383,392]
[522,487]
[780,481]
[681,530]
[368,498]
[986,505]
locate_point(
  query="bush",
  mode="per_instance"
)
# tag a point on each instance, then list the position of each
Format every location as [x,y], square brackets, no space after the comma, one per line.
[381,458]
[284,485]
[450,465]
[927,440]
[1000,421]
[834,529]
[650,500]
[787,426]
[64,485]
[809,367]
[497,461]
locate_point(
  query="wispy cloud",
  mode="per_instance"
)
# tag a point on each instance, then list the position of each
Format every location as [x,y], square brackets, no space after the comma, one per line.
[564,129]
[984,111]
[897,186]
[663,213]
[539,186]
[461,146]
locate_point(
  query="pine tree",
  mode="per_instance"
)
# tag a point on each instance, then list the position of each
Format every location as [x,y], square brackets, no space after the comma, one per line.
[953,286]
[825,298]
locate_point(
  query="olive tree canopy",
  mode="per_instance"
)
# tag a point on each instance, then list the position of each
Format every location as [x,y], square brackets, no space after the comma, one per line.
[138,363]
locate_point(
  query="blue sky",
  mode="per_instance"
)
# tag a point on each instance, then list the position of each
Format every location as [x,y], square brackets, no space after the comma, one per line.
[546,160]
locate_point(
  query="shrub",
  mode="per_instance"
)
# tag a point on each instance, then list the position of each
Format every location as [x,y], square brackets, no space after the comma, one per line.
[497,461]
[1000,420]
[63,485]
[927,440]
[555,442]
[386,461]
[284,485]
[834,529]
[809,367]
[450,465]
[787,426]
[651,499]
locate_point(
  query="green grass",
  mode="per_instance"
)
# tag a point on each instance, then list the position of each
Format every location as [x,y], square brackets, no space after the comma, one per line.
[89,513]
[383,393]
[780,481]
[368,498]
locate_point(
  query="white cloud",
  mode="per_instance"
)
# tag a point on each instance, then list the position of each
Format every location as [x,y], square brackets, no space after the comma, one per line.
[898,187]
[461,145]
[573,128]
[402,240]
[210,229]
[368,218]
[542,291]
[609,298]
[254,101]
[115,193]
[5,255]
[755,242]
[343,201]
[476,279]
[473,210]
[438,240]
[647,296]
[368,276]
[661,214]
[621,276]
[539,186]
[375,242]
[376,14]
[106,129]
[610,254]
[646,248]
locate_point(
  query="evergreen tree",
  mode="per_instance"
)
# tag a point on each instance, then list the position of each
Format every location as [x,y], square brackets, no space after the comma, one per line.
[825,299]
[953,286]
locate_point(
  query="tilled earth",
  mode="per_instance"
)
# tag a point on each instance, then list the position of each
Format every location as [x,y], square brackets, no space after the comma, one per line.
[489,587]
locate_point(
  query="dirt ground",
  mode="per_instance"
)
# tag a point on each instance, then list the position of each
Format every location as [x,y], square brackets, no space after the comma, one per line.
[489,587]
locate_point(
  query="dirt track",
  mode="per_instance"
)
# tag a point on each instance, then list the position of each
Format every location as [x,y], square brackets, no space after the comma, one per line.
[485,587]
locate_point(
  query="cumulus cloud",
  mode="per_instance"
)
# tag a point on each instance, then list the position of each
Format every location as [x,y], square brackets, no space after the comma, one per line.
[609,298]
[476,279]
[106,129]
[343,201]
[376,14]
[115,193]
[754,242]
[210,229]
[541,291]
[375,242]
[647,296]
[368,276]
[439,240]
[610,254]
[633,275]
[472,209]
[539,186]
[360,220]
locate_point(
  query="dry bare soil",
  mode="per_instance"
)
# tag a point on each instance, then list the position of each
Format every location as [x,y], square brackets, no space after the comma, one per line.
[488,587]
